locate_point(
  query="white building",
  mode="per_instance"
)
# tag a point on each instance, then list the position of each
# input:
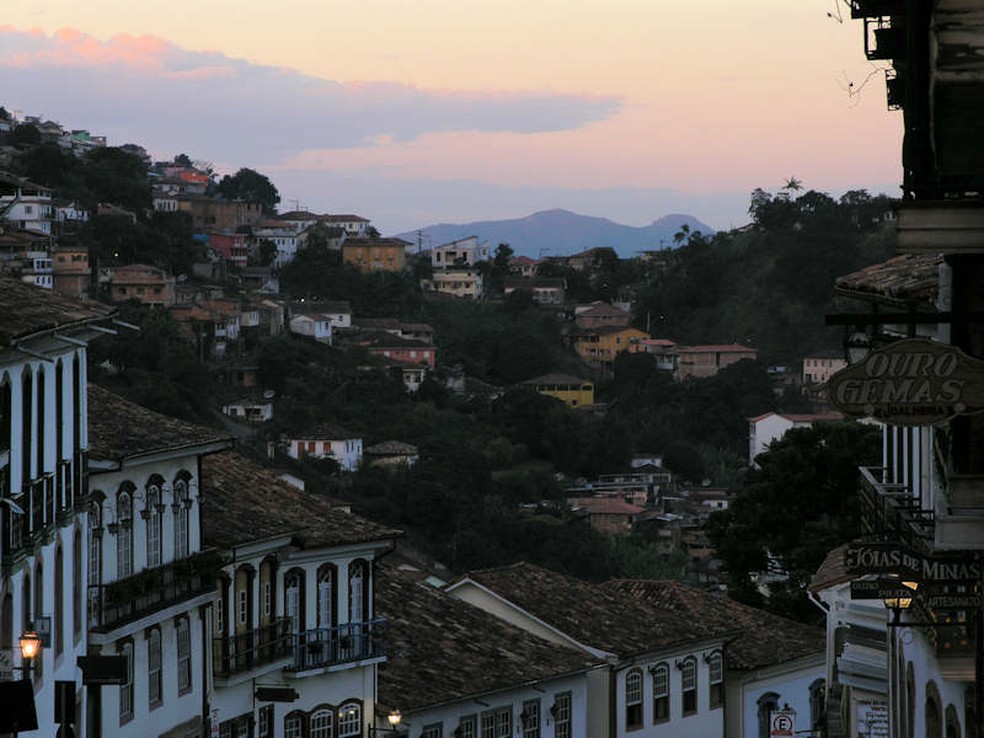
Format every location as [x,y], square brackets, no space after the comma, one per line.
[26,205]
[465,252]
[329,442]
[296,641]
[312,325]
[772,426]
[149,579]
[665,673]
[461,282]
[43,521]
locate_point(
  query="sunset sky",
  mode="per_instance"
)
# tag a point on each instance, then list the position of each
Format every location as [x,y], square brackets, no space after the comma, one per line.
[412,113]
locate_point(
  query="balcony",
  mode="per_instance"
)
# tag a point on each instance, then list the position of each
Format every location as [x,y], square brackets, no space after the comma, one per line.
[242,652]
[121,602]
[344,644]
[890,511]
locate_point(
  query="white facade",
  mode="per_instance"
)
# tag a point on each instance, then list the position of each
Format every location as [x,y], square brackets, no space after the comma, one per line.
[346,451]
[313,326]
[798,686]
[463,252]
[250,411]
[463,283]
[765,429]
[43,438]
[554,708]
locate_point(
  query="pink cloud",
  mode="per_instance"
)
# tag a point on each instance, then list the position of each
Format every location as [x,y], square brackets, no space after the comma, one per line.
[69,47]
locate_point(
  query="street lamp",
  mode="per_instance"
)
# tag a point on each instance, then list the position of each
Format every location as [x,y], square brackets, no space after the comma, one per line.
[394,718]
[30,644]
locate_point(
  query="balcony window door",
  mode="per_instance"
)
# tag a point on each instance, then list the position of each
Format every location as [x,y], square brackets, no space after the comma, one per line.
[153,518]
[124,535]
[294,600]
[244,599]
[326,596]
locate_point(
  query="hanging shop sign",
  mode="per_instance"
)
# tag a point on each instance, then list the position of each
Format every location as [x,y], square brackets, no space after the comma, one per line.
[893,558]
[910,382]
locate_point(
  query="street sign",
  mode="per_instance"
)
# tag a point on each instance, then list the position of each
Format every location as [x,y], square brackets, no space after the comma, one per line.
[781,723]
[880,589]
[876,557]
[42,625]
[97,670]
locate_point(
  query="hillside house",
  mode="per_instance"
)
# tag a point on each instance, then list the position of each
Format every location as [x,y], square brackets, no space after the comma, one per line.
[465,252]
[607,514]
[572,391]
[768,427]
[328,441]
[376,254]
[600,314]
[598,347]
[312,325]
[147,284]
[460,282]
[706,361]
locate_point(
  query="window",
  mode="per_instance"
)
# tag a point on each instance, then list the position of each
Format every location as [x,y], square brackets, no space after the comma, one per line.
[767,703]
[183,636]
[715,667]
[294,600]
[661,693]
[530,717]
[326,596]
[561,713]
[467,727]
[435,730]
[77,585]
[633,700]
[688,671]
[497,723]
[180,508]
[153,516]
[266,722]
[124,535]
[321,724]
[349,720]
[953,723]
[357,591]
[154,693]
[294,725]
[933,713]
[59,620]
[126,689]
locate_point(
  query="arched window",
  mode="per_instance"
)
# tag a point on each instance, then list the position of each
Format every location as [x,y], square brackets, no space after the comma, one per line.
[358,592]
[5,414]
[688,685]
[27,612]
[126,689]
[124,534]
[326,596]
[953,723]
[633,699]
[222,584]
[715,669]
[154,667]
[268,590]
[294,725]
[182,633]
[59,413]
[349,720]
[41,436]
[661,692]
[321,723]
[910,701]
[7,622]
[294,599]
[933,712]
[38,610]
[152,514]
[970,715]
[77,390]
[180,507]
[58,624]
[767,703]
[243,585]
[27,406]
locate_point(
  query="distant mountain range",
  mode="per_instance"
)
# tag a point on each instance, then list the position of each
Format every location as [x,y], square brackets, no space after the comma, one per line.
[560,232]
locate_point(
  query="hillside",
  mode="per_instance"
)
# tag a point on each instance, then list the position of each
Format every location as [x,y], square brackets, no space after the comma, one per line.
[556,232]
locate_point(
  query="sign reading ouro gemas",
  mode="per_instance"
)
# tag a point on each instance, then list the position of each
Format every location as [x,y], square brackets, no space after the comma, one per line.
[910,382]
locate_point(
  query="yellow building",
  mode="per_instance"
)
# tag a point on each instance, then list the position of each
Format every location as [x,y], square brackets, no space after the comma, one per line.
[570,390]
[376,254]
[599,347]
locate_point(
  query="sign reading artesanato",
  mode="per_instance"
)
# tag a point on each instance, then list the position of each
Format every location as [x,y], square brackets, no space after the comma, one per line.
[911,382]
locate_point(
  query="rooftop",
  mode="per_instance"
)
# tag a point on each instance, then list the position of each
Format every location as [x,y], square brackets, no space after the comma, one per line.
[589,613]
[120,429]
[245,502]
[555,378]
[443,649]
[764,639]
[910,278]
[26,310]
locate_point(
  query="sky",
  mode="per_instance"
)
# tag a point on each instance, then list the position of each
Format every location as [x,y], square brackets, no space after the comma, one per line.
[414,112]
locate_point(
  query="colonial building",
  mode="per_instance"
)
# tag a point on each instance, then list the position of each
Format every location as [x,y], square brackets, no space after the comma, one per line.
[376,254]
[572,391]
[296,641]
[328,441]
[43,476]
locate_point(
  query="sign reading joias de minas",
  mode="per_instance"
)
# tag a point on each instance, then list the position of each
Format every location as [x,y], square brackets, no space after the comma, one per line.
[910,382]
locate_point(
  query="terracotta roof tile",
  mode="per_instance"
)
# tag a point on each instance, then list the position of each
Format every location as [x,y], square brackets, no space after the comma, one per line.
[245,502]
[763,638]
[910,278]
[120,429]
[589,613]
[26,309]
[832,571]
[443,649]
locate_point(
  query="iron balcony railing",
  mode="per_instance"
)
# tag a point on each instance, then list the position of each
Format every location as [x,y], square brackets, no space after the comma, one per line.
[125,600]
[252,649]
[891,511]
[321,647]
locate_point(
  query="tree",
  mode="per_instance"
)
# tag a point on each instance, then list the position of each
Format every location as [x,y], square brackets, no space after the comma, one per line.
[797,506]
[248,184]
[112,175]
[183,160]
[25,134]
[503,253]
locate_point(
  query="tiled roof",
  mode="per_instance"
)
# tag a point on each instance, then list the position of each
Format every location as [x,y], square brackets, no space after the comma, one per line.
[832,571]
[328,432]
[381,339]
[598,309]
[715,348]
[25,309]
[910,278]
[120,429]
[588,613]
[389,448]
[763,639]
[245,502]
[442,649]
[605,506]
